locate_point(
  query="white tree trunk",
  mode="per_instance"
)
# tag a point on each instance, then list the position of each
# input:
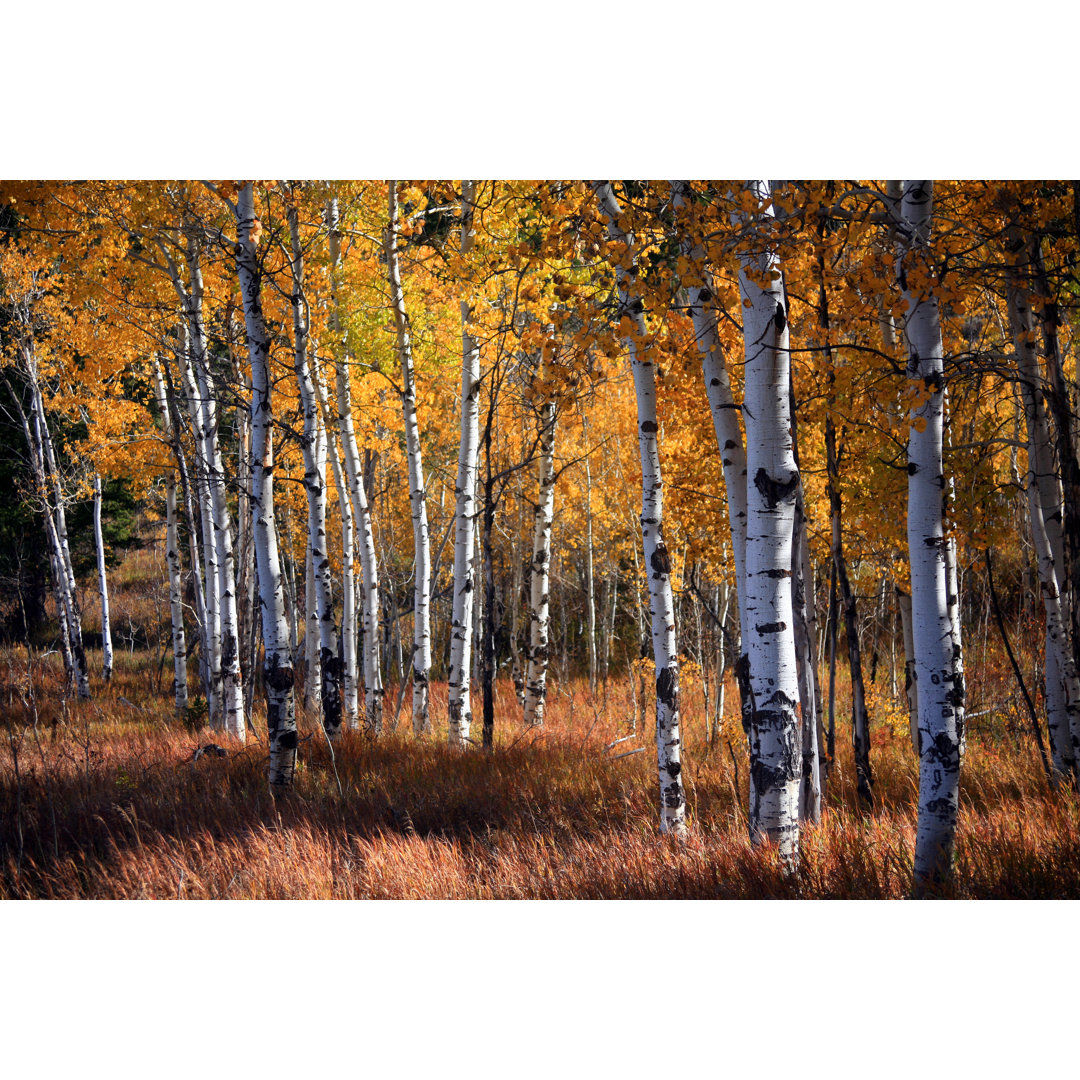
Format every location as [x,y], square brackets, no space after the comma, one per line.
[941,695]
[539,623]
[701,302]
[366,541]
[657,559]
[51,476]
[103,585]
[460,708]
[211,641]
[312,674]
[1045,512]
[773,481]
[227,647]
[590,577]
[315,485]
[66,604]
[349,676]
[277,669]
[172,561]
[421,654]
[187,485]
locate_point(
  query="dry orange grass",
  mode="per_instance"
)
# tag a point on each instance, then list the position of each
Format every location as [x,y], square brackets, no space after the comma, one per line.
[103,800]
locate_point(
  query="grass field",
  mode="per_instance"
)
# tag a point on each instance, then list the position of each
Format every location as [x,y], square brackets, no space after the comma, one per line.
[104,800]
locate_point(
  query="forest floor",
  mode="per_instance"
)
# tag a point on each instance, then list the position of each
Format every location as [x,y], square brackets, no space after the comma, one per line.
[106,799]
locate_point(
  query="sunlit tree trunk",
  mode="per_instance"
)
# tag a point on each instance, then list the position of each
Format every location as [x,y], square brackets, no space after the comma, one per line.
[66,604]
[773,481]
[657,558]
[211,637]
[172,560]
[365,539]
[539,621]
[701,301]
[349,675]
[312,674]
[941,692]
[421,654]
[103,585]
[277,667]
[51,479]
[315,486]
[590,582]
[227,649]
[461,632]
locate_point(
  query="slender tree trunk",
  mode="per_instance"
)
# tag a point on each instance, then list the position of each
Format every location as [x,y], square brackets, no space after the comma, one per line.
[211,640]
[805,651]
[68,588]
[657,558]
[775,737]
[701,301]
[277,668]
[590,584]
[1069,465]
[373,695]
[315,485]
[172,560]
[537,652]
[860,720]
[421,653]
[192,517]
[1045,513]
[941,692]
[103,585]
[67,612]
[347,648]
[464,538]
[227,650]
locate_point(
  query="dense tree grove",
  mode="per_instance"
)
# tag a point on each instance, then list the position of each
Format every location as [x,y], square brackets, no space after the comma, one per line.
[418,432]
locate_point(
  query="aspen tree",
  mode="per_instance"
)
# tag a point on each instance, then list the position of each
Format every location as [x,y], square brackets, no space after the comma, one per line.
[172,560]
[421,653]
[366,540]
[103,585]
[1045,514]
[315,486]
[461,632]
[773,482]
[278,674]
[940,689]
[227,646]
[539,619]
[657,558]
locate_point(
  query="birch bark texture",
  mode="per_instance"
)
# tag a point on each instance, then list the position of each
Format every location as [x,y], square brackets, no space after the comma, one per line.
[172,560]
[227,645]
[461,629]
[940,689]
[657,557]
[103,585]
[365,540]
[773,483]
[278,674]
[1045,513]
[537,650]
[315,487]
[421,654]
